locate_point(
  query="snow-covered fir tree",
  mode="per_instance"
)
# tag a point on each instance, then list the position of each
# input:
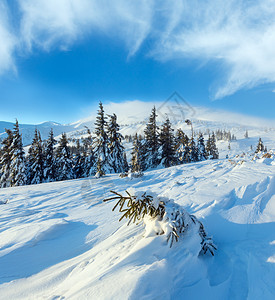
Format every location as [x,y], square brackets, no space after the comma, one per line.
[35,160]
[100,143]
[246,134]
[201,148]
[64,160]
[208,146]
[126,165]
[186,153]
[260,146]
[99,169]
[50,167]
[116,156]
[211,148]
[89,167]
[128,138]
[5,160]
[215,152]
[193,150]
[151,143]
[17,166]
[137,160]
[224,135]
[167,145]
[78,162]
[182,147]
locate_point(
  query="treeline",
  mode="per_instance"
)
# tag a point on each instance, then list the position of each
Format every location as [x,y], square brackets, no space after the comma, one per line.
[225,135]
[49,160]
[163,147]
[99,153]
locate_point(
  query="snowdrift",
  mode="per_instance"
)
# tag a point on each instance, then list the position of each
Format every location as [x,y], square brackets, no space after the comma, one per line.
[60,241]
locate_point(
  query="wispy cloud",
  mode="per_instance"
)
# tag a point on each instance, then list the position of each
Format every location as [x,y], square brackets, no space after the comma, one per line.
[8,41]
[239,35]
[47,23]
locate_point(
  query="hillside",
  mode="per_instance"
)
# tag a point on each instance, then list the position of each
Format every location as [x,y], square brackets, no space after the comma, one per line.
[27,130]
[60,241]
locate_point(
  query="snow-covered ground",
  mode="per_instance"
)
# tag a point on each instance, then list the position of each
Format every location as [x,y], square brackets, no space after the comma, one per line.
[60,241]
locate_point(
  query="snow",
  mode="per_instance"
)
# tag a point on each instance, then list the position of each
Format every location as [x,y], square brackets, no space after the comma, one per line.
[60,241]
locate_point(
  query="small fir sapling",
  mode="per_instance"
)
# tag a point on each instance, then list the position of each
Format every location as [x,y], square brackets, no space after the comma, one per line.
[161,216]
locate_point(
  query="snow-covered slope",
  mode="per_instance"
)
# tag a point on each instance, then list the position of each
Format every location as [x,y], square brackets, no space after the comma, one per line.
[27,130]
[60,241]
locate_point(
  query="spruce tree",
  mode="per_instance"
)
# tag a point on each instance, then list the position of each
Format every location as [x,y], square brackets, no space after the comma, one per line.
[78,161]
[89,167]
[193,150]
[260,146]
[211,148]
[208,147]
[151,143]
[126,165]
[116,149]
[100,144]
[186,152]
[99,169]
[5,160]
[182,147]
[201,148]
[167,142]
[35,169]
[64,160]
[50,167]
[17,166]
[136,160]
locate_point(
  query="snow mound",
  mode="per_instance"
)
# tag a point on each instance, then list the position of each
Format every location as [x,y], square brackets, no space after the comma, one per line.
[254,203]
[161,216]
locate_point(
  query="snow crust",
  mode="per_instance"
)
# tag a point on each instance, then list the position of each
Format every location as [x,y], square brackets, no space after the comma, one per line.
[60,241]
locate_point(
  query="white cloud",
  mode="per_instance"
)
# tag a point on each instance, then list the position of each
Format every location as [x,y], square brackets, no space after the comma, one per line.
[141,111]
[7,41]
[238,35]
[46,23]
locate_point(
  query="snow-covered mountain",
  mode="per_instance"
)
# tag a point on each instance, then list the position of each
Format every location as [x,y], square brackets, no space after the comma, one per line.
[133,115]
[136,112]
[27,130]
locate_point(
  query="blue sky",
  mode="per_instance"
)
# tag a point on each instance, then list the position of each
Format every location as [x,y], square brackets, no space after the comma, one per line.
[58,59]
